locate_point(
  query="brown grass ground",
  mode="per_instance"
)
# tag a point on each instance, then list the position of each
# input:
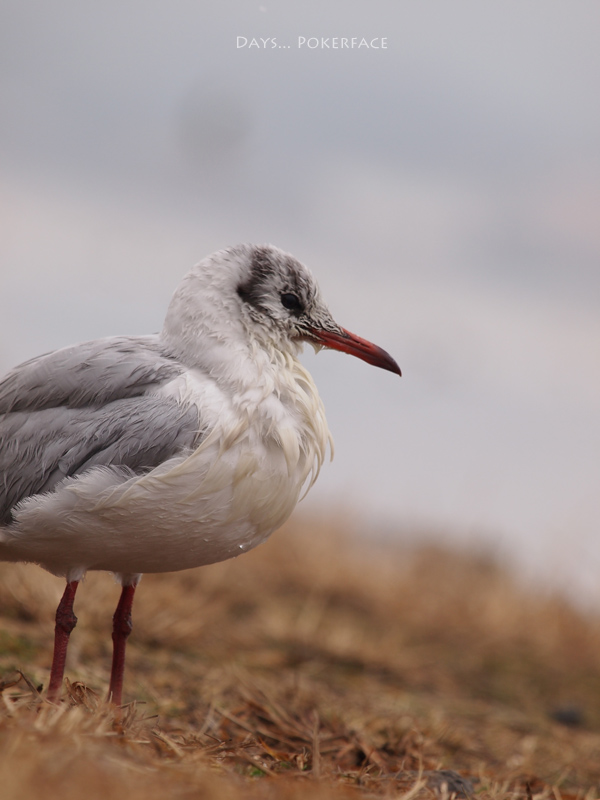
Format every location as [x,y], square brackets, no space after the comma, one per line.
[316,666]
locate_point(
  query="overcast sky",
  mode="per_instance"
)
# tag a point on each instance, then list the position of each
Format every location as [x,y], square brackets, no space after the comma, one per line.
[444,189]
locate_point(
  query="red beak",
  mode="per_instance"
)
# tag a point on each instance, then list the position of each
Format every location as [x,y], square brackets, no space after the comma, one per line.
[348,342]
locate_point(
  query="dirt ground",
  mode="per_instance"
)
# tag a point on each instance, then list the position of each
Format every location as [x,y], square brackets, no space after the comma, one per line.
[320,665]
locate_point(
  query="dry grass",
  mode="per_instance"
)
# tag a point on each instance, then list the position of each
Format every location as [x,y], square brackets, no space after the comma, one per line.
[307,668]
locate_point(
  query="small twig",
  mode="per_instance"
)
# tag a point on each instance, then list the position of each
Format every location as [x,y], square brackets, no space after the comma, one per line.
[528,791]
[233,719]
[166,740]
[208,722]
[33,689]
[316,751]
[9,684]
[370,752]
[255,762]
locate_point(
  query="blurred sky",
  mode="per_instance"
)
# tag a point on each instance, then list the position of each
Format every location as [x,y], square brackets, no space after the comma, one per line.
[445,191]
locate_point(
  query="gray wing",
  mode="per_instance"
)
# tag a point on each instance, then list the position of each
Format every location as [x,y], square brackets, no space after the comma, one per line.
[84,407]
[93,372]
[41,448]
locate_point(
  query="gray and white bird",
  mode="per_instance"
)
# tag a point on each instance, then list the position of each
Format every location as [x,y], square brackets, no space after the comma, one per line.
[157,453]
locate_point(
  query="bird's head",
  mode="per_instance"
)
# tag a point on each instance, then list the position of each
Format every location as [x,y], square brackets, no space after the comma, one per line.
[279,294]
[275,298]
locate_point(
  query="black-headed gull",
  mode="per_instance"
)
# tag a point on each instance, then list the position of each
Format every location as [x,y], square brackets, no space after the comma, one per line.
[156,453]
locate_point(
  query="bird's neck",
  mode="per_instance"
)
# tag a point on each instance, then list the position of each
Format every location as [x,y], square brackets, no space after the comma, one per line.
[282,402]
[269,394]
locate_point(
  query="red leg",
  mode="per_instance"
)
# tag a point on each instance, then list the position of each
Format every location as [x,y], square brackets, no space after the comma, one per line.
[121,630]
[65,622]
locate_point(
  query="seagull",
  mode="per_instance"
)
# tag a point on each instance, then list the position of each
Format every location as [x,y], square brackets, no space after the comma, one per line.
[158,453]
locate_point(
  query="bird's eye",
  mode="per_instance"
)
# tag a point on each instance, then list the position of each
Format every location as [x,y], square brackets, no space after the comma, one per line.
[291,302]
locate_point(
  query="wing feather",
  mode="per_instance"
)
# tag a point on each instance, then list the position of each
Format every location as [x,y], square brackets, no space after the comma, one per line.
[41,448]
[89,373]
[88,406]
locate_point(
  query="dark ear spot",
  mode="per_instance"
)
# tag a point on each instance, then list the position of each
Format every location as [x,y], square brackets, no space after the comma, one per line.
[244,291]
[261,269]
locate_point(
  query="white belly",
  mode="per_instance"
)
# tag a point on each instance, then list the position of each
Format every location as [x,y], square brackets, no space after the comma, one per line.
[210,506]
